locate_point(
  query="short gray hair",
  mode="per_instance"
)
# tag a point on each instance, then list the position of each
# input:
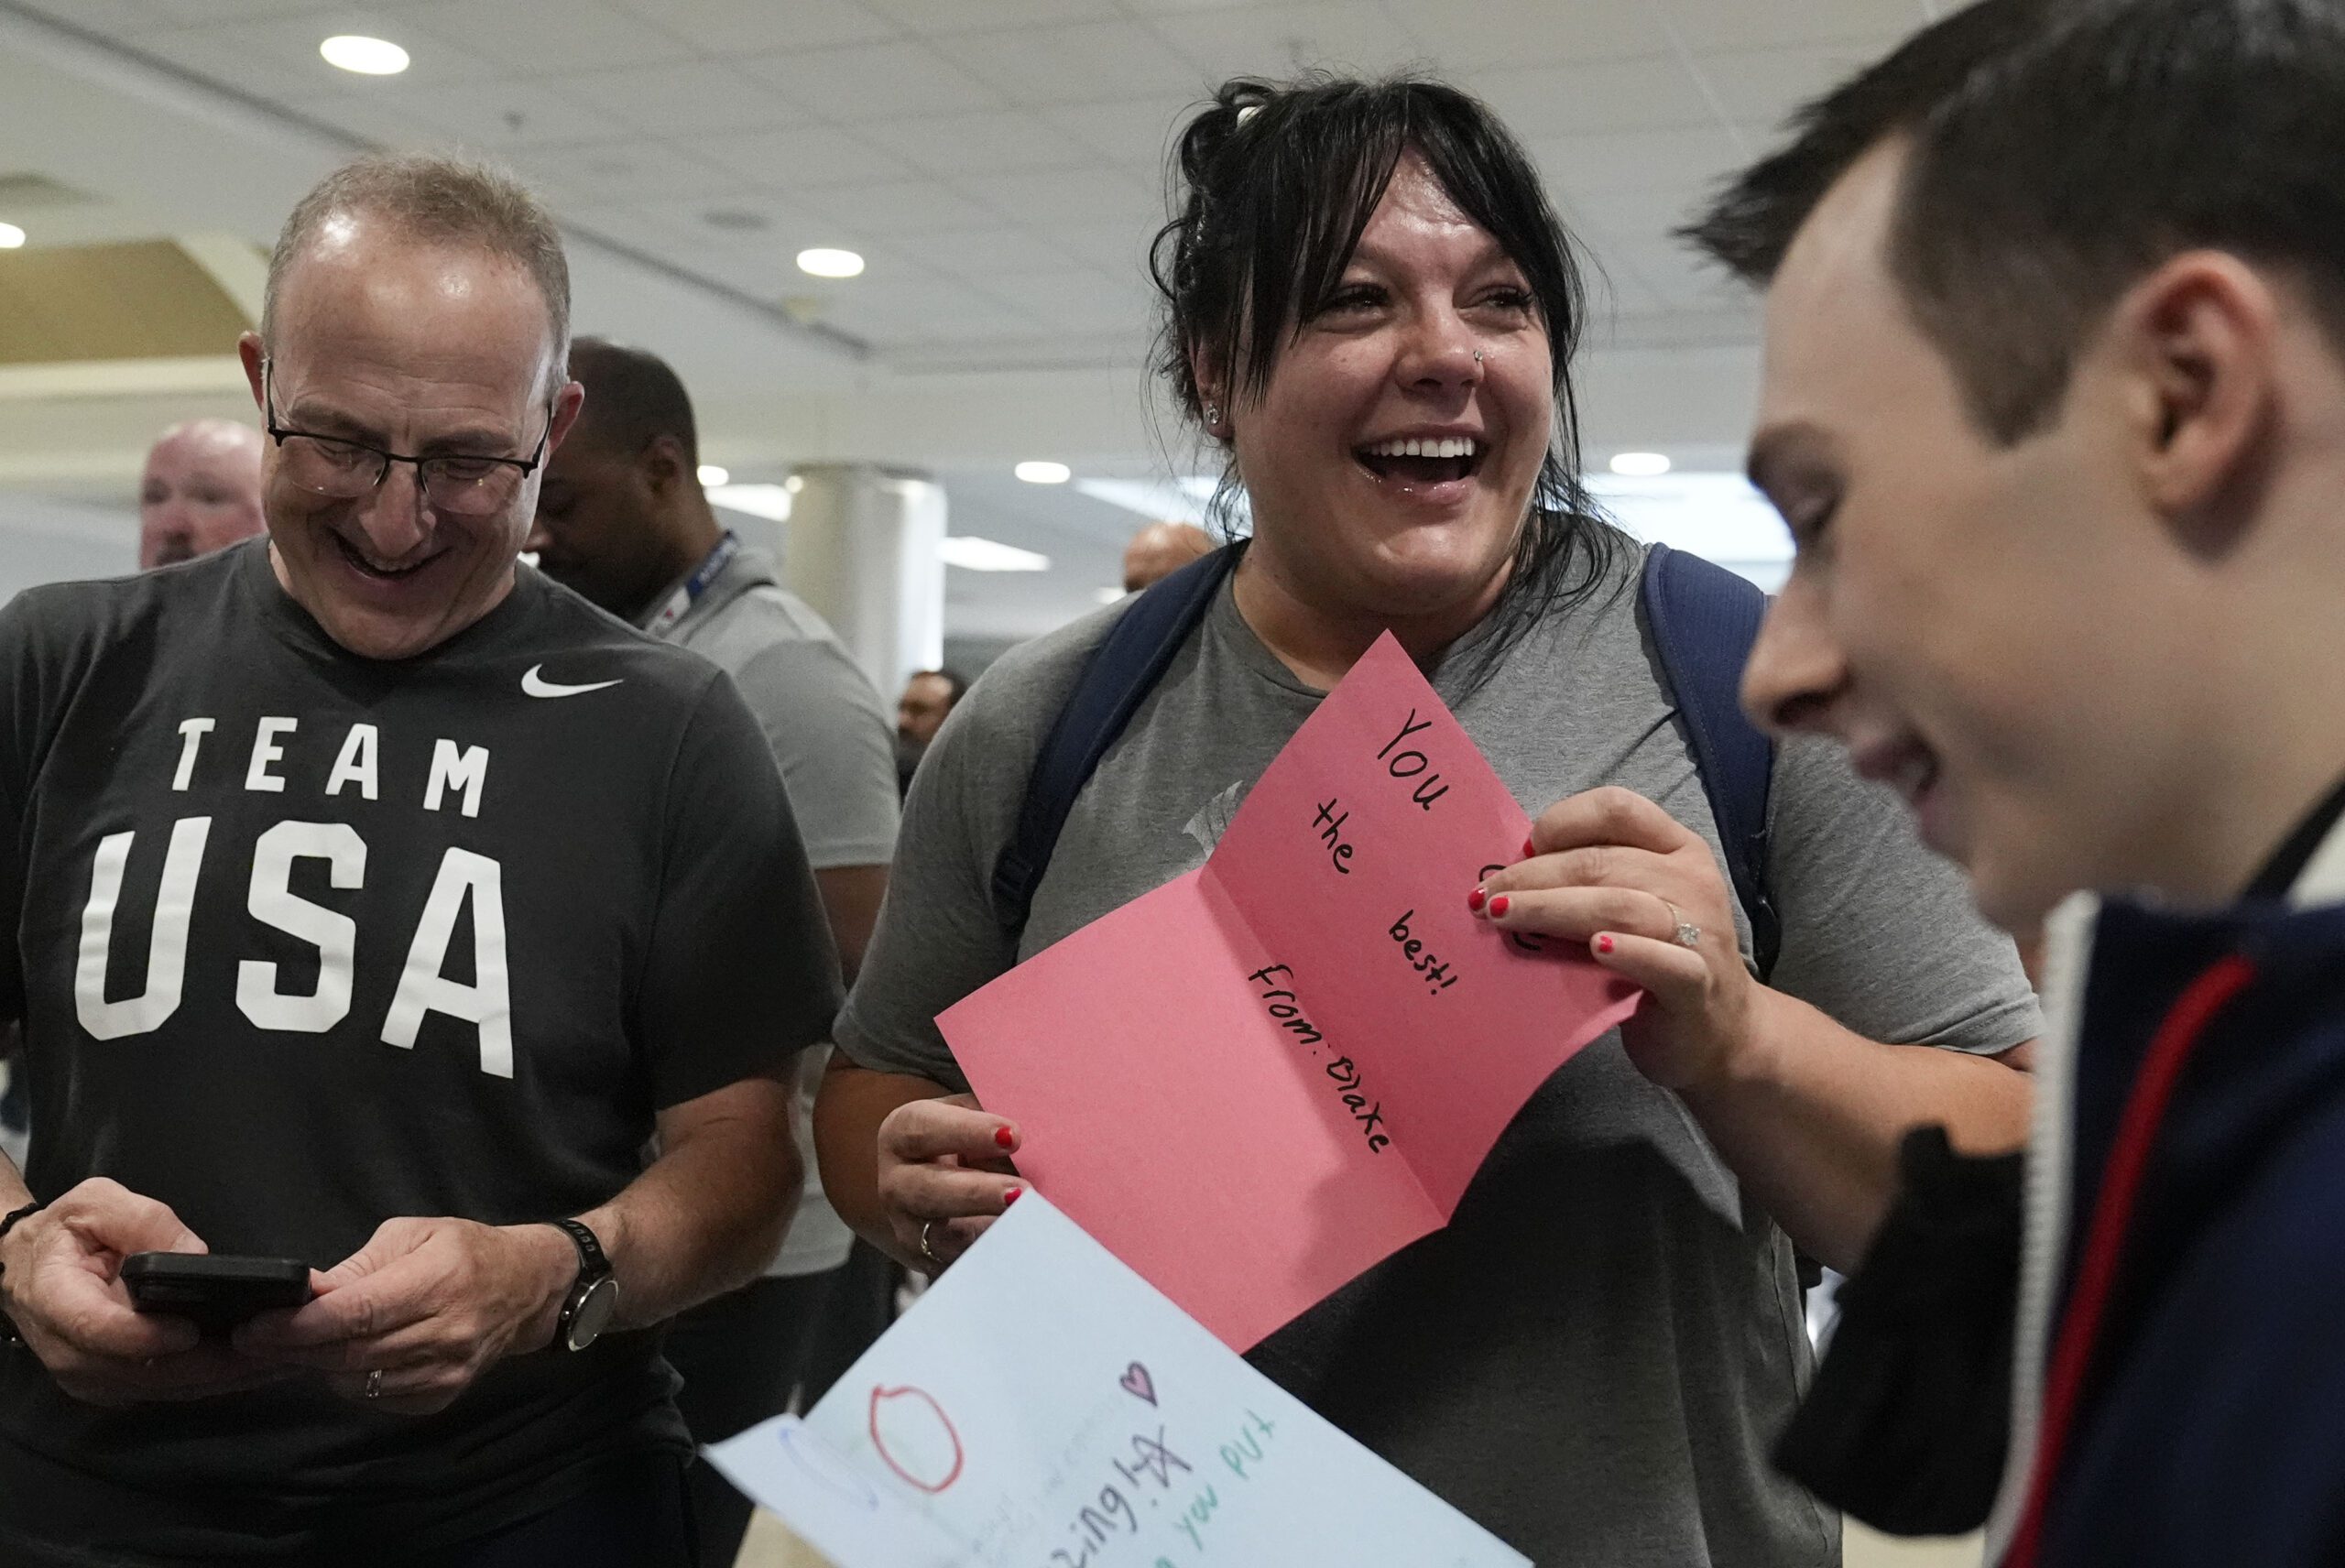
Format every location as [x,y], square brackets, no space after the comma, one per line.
[440,200]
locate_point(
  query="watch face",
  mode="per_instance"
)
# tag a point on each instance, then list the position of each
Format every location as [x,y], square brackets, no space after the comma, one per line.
[594,1312]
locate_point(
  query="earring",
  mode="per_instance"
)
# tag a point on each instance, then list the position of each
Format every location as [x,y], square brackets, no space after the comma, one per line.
[1212,415]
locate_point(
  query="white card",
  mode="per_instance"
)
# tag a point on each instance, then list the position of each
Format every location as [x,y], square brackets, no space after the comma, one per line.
[1043,1406]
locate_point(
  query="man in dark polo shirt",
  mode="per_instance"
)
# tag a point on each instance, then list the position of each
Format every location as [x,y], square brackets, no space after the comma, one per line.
[377,901]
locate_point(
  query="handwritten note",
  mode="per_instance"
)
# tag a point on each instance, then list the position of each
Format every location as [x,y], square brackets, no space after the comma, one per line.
[1264,1077]
[1042,1407]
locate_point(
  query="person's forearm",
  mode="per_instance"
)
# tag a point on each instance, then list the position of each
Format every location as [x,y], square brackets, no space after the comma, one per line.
[847,1112]
[1811,1117]
[702,1219]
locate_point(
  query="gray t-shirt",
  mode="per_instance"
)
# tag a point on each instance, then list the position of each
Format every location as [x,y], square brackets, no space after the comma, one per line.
[1594,1356]
[833,740]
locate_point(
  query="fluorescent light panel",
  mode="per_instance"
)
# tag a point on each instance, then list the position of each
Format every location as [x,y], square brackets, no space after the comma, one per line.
[974,554]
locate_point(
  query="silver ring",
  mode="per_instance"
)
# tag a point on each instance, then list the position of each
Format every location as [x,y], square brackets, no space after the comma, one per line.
[375,1384]
[925,1249]
[1689,933]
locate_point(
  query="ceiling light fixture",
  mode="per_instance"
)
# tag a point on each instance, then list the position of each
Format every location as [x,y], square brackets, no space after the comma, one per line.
[11,236]
[770,502]
[822,263]
[367,57]
[974,554]
[712,476]
[1043,472]
[1639,464]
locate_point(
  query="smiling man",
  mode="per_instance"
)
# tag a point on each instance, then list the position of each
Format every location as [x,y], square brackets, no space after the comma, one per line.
[2054,403]
[376,903]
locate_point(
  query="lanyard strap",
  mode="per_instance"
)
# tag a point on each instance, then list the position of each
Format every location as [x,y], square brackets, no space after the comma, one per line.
[706,573]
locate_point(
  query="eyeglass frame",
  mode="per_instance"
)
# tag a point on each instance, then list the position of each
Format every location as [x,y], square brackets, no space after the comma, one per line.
[277,433]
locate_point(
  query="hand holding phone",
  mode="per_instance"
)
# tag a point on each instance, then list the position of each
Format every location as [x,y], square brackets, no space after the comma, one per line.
[213,1292]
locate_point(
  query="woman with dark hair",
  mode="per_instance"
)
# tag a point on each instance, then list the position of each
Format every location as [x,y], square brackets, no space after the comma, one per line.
[1370,306]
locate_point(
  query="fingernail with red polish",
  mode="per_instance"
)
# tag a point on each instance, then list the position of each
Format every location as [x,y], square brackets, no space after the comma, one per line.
[1475,899]
[1011,1196]
[1529,849]
[1004,1137]
[1498,904]
[1604,945]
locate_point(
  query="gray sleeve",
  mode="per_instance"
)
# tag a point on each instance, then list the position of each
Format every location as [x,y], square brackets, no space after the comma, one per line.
[938,938]
[831,739]
[1878,931]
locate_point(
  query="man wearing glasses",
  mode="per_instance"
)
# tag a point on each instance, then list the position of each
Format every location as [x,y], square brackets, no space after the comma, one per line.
[376,902]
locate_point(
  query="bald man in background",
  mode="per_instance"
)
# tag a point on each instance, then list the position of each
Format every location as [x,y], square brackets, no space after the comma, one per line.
[1160,549]
[200,490]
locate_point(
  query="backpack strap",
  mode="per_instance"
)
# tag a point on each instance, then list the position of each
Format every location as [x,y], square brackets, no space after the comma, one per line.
[1703,620]
[1114,681]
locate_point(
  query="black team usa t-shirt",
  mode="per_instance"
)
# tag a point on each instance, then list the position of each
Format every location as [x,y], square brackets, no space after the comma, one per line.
[306,942]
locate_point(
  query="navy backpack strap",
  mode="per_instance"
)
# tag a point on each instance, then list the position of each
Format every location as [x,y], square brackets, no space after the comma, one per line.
[1705,620]
[1114,681]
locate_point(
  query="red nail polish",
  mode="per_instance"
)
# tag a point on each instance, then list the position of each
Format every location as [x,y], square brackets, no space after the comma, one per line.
[1473,900]
[1529,849]
[1011,1196]
[1498,904]
[1004,1137]
[1604,945]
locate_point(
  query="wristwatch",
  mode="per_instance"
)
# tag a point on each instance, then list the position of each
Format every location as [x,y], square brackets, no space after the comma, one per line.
[595,1299]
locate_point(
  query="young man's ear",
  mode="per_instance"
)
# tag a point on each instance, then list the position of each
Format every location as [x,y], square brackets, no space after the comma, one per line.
[667,468]
[2199,341]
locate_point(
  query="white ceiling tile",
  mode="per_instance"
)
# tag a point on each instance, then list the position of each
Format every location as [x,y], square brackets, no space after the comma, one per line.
[1764,86]
[638,170]
[975,256]
[758,27]
[531,38]
[906,207]
[1138,132]
[940,16]
[1654,92]
[873,81]
[501,116]
[1710,25]
[1465,35]
[1588,165]
[915,311]
[1072,195]
[806,159]
[276,64]
[1360,38]
[682,100]
[1119,248]
[1078,64]
[1083,300]
[1004,141]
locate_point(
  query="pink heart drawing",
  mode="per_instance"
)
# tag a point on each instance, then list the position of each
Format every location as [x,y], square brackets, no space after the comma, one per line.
[1139,1384]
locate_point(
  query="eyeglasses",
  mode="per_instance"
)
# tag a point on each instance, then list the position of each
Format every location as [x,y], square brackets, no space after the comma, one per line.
[458,484]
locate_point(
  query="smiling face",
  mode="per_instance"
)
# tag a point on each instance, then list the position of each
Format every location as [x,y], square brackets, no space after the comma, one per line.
[2003,632]
[1390,457]
[415,348]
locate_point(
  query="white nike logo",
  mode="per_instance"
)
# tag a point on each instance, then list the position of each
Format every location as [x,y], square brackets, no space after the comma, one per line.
[537,686]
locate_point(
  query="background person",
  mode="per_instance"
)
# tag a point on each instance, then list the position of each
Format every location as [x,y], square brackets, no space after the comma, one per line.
[621,518]
[200,490]
[1592,1359]
[1160,549]
[2054,405]
[374,903]
[929,697]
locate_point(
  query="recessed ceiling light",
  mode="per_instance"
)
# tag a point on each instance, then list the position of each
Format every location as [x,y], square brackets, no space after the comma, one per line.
[1639,464]
[11,236]
[793,484]
[711,475]
[830,263]
[974,554]
[367,57]
[736,220]
[1044,473]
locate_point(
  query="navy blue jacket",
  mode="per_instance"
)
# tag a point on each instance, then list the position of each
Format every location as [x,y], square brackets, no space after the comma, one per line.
[2209,1427]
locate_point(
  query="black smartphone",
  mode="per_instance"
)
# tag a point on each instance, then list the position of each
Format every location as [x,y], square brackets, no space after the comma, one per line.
[215,1292]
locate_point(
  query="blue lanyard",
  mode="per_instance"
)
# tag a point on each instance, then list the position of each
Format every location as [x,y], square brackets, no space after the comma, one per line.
[706,573]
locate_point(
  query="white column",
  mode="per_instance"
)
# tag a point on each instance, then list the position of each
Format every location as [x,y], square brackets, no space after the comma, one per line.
[862,548]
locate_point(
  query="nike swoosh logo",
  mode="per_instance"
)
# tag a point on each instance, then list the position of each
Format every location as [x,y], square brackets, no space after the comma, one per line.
[537,685]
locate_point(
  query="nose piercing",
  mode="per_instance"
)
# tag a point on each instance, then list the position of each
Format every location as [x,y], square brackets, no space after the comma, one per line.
[1477,356]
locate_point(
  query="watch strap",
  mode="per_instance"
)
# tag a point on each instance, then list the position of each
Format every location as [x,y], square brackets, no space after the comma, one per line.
[592,1264]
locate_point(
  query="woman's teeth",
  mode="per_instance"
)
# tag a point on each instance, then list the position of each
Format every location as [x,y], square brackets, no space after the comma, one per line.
[1452,446]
